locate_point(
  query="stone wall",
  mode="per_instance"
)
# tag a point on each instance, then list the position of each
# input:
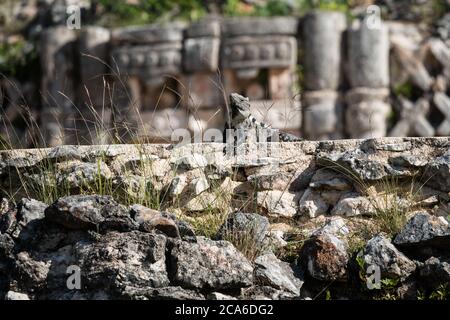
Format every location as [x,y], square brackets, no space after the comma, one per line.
[157,216]
[319,76]
[285,180]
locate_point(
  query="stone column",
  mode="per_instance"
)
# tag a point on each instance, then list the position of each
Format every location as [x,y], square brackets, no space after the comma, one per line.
[322,117]
[368,74]
[322,49]
[201,82]
[58,87]
[367,109]
[94,118]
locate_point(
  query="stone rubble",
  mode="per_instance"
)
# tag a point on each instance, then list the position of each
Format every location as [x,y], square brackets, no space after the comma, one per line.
[301,239]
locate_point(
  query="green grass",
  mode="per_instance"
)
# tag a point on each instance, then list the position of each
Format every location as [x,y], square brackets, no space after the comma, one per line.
[391,198]
[405,89]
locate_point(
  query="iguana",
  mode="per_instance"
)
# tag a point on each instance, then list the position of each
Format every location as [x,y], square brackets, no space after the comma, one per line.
[242,119]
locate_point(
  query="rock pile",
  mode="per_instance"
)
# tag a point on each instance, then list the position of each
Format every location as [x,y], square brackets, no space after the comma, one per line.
[124,253]
[288,223]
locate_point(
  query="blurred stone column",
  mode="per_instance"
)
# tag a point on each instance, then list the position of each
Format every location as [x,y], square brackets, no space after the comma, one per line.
[368,74]
[58,87]
[94,114]
[322,116]
[201,82]
[322,47]
[366,112]
[147,61]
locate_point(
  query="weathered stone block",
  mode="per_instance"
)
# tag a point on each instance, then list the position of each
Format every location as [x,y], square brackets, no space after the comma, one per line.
[259,26]
[201,47]
[172,32]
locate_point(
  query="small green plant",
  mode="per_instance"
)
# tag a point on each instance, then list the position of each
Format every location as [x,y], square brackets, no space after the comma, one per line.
[215,212]
[333,5]
[405,89]
[385,290]
[389,283]
[390,211]
[265,9]
[245,242]
[388,289]
[295,239]
[391,199]
[290,251]
[442,292]
[361,268]
[16,58]
[207,224]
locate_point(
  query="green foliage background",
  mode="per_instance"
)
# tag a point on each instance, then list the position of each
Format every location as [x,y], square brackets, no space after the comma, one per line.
[149,11]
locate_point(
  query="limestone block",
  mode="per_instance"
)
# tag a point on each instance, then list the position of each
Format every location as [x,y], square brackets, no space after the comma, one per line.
[171,32]
[201,54]
[407,66]
[149,52]
[442,102]
[440,52]
[312,205]
[277,203]
[413,119]
[260,26]
[201,47]
[251,44]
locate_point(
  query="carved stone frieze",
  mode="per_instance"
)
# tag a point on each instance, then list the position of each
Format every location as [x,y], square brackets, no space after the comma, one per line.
[259,52]
[148,61]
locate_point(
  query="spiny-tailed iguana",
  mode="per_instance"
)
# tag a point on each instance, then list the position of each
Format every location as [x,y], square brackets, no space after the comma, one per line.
[242,119]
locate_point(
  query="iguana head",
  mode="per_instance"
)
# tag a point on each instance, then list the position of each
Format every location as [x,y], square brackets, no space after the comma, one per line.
[240,106]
